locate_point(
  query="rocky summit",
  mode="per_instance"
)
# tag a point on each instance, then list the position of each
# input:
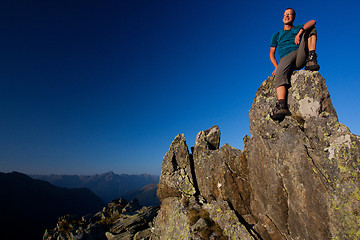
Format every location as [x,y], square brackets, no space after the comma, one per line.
[295,179]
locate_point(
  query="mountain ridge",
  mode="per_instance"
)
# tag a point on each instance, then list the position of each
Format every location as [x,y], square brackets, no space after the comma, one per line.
[107,186]
[32,205]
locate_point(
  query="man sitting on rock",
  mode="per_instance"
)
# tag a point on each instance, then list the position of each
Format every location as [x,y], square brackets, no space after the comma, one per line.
[296,47]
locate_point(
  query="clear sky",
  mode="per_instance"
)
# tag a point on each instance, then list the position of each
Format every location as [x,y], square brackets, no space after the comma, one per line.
[95,86]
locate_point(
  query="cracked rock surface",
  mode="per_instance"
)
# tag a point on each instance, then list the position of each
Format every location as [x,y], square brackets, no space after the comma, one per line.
[304,170]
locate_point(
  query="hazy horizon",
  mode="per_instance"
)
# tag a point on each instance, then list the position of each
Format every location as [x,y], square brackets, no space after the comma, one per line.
[90,174]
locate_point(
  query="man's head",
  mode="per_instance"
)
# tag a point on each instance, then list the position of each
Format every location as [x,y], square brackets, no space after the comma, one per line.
[289,16]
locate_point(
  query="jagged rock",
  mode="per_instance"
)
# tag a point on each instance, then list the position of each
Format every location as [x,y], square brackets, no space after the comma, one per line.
[208,139]
[221,173]
[303,171]
[108,224]
[176,175]
[296,179]
[72,227]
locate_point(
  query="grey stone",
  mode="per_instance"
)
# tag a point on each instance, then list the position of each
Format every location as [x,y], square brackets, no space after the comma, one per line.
[200,224]
[304,170]
[176,177]
[171,221]
[228,221]
[143,235]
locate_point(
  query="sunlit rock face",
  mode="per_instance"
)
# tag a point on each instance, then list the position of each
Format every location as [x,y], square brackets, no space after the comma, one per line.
[202,202]
[304,170]
[295,179]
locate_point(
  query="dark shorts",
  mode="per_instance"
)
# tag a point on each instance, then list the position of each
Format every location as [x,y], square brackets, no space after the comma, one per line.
[293,61]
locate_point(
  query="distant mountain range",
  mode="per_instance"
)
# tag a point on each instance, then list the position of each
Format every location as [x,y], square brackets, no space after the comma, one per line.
[146,195]
[109,186]
[29,206]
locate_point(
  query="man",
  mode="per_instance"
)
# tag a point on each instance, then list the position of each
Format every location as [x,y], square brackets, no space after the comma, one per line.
[296,46]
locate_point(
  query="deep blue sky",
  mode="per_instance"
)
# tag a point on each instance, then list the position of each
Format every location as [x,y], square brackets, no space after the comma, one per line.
[95,86]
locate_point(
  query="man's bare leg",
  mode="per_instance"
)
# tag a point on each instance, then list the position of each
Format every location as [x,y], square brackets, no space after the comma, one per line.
[281,92]
[312,43]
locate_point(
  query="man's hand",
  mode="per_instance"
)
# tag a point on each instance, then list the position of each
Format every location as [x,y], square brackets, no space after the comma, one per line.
[298,36]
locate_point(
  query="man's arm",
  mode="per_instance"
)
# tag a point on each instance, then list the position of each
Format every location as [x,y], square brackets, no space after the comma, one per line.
[272,58]
[306,26]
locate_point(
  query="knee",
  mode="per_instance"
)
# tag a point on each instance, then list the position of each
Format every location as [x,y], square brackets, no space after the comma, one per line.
[312,31]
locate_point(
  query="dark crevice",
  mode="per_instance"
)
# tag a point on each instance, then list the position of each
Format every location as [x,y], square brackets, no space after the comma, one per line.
[211,146]
[317,168]
[249,227]
[287,206]
[192,169]
[174,163]
[275,226]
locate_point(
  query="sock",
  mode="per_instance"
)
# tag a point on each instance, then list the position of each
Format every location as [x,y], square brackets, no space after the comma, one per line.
[283,101]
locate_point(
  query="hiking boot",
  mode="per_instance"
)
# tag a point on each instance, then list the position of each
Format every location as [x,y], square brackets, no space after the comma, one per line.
[281,110]
[311,62]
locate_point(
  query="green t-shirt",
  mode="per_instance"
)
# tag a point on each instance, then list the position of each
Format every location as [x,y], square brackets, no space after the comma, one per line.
[284,40]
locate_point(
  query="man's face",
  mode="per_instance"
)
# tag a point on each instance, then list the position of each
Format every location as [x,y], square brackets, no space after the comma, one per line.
[288,17]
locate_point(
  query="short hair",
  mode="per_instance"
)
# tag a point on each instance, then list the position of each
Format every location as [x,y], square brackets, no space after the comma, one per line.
[293,11]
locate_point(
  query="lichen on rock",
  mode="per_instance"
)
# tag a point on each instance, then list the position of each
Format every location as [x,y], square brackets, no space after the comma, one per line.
[310,162]
[176,176]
